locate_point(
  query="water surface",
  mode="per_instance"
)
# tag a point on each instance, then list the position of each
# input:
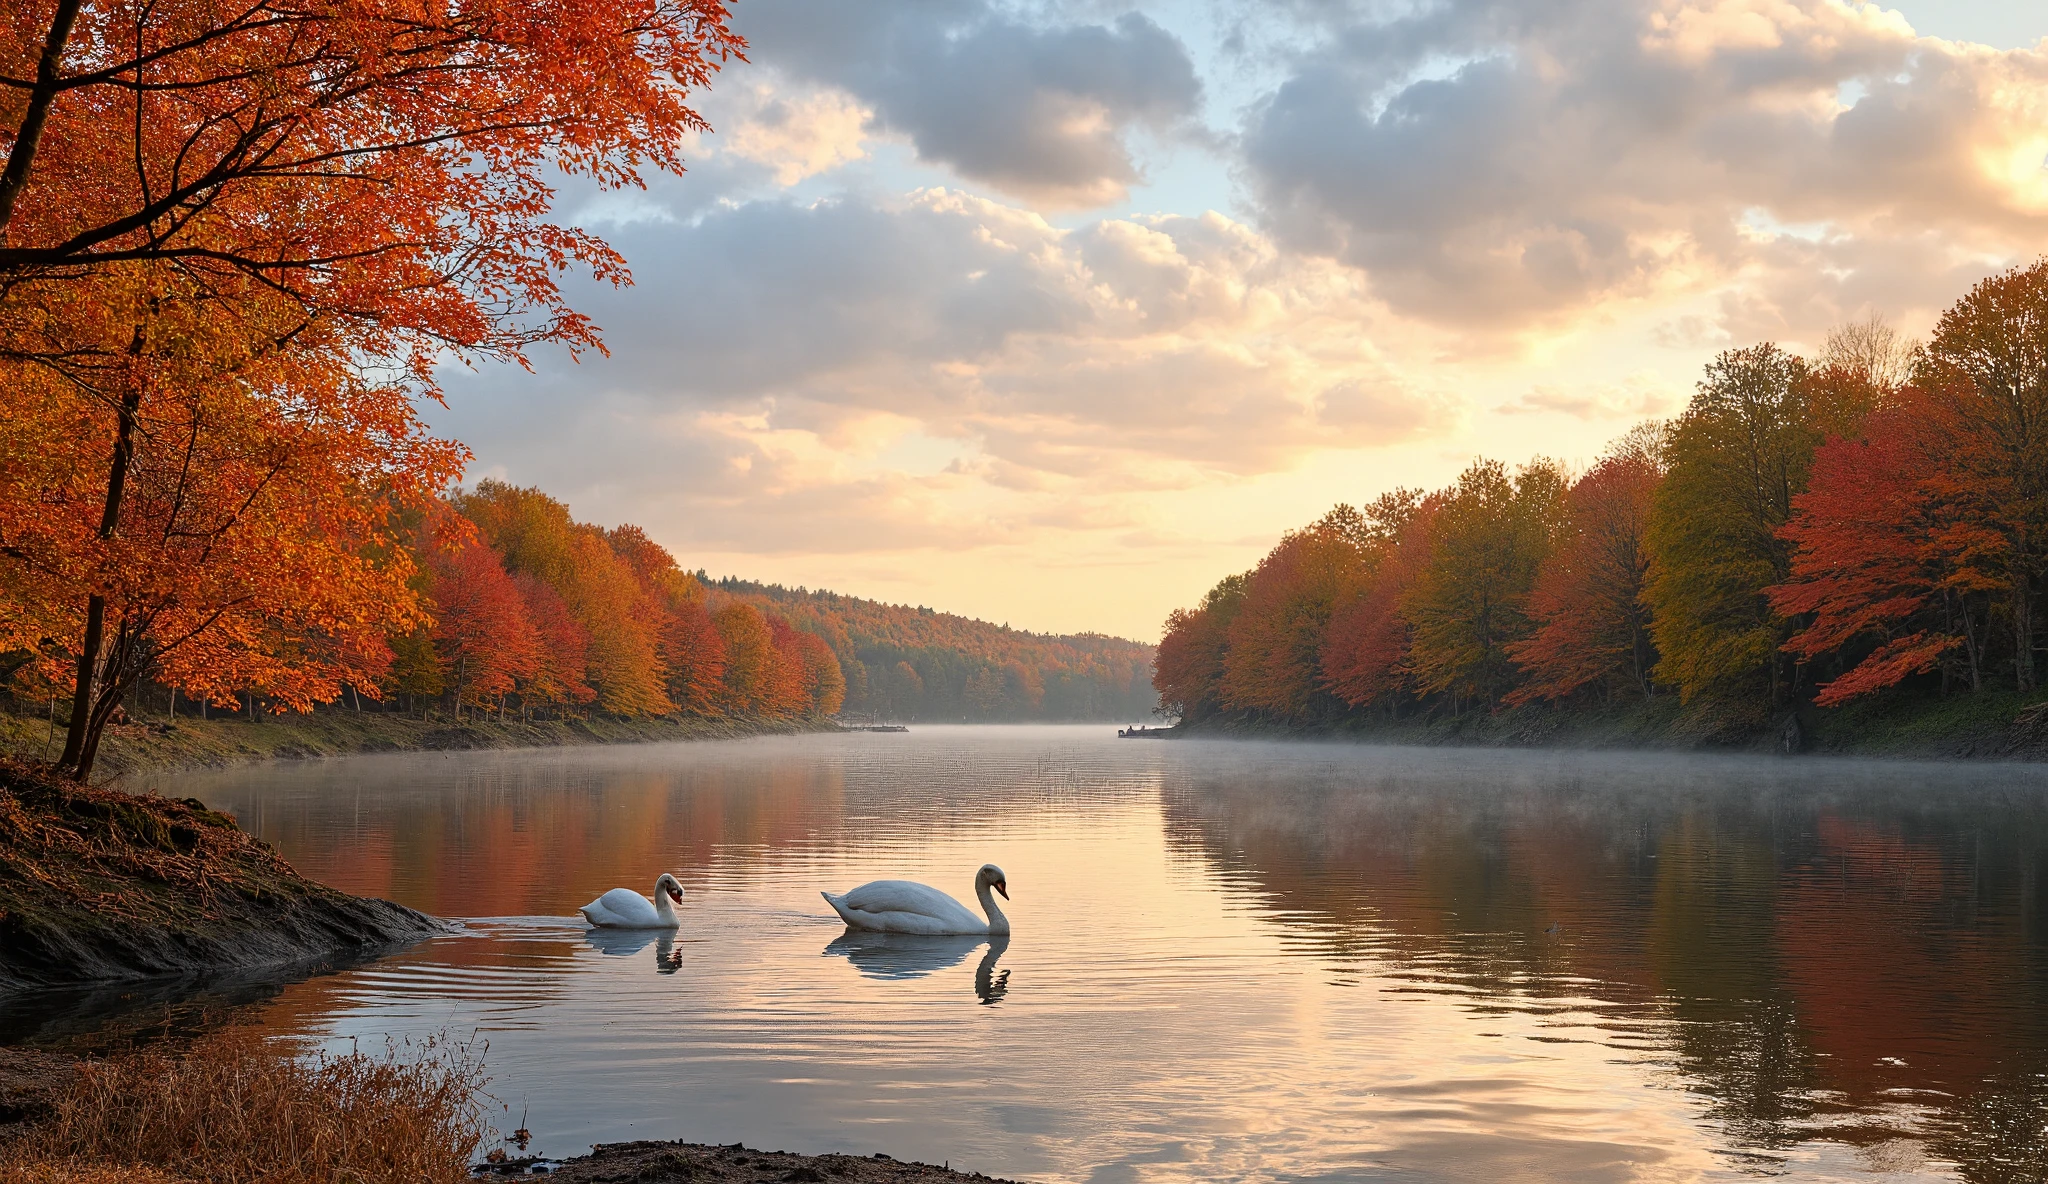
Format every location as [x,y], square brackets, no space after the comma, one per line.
[1231,960]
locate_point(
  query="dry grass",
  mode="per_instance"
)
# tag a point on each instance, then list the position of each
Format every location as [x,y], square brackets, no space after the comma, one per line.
[235,1108]
[75,1172]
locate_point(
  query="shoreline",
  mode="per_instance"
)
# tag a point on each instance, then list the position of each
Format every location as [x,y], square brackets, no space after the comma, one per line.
[1991,726]
[34,1084]
[662,1162]
[159,746]
[98,885]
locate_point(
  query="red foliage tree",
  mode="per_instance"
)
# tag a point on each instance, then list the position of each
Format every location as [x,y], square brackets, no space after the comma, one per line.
[487,643]
[695,652]
[563,652]
[1592,625]
[1188,671]
[1365,650]
[1276,640]
[1881,556]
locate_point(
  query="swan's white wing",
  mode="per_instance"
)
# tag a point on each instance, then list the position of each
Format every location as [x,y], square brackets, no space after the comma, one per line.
[906,907]
[621,908]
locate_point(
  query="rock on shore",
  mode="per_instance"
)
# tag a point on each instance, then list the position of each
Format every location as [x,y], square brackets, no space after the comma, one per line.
[96,884]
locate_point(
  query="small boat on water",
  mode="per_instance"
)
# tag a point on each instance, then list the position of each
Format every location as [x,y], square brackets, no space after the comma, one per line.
[1143,732]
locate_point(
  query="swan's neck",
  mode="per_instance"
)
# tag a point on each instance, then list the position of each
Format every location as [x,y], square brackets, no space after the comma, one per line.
[663,906]
[997,923]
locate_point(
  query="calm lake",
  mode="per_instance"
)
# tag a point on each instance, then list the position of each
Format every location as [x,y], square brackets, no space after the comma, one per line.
[1231,960]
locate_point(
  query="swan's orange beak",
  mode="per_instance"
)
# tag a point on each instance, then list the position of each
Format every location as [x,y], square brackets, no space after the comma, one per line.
[676,895]
[1003,887]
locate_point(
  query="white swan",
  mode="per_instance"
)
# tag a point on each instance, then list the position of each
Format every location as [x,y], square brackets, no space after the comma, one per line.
[623,908]
[900,906]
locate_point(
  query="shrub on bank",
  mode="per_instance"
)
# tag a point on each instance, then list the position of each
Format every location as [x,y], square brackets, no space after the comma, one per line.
[236,1108]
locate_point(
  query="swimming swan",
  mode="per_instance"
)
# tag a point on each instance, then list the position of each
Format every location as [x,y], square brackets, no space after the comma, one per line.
[900,906]
[623,908]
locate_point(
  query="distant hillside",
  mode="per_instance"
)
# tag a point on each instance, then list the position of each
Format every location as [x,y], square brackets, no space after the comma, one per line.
[916,663]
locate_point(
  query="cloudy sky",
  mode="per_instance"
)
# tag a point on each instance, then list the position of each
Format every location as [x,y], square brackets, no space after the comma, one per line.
[1053,313]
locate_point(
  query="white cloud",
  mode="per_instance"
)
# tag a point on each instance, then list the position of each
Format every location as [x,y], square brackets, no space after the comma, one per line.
[1587,152]
[1039,111]
[1642,395]
[800,135]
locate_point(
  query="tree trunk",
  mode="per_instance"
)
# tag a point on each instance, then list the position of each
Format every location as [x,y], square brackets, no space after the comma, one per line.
[29,136]
[118,675]
[88,669]
[2023,634]
[76,741]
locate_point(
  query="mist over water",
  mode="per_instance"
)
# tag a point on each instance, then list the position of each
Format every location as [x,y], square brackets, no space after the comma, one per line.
[1231,960]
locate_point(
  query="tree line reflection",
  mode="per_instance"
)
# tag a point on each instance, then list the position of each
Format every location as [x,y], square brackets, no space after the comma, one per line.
[1816,950]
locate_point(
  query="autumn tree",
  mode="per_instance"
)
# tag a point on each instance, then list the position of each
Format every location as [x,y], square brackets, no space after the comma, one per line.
[1365,648]
[281,201]
[624,664]
[823,680]
[247,535]
[750,658]
[603,592]
[673,606]
[1470,601]
[1188,672]
[1274,654]
[387,166]
[1882,569]
[695,653]
[1735,460]
[1985,373]
[563,649]
[485,638]
[1591,625]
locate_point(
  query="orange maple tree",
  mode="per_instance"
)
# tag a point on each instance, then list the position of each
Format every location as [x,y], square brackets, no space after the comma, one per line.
[274,202]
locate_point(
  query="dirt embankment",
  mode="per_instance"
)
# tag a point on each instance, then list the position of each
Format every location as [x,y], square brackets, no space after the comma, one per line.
[96,884]
[158,744]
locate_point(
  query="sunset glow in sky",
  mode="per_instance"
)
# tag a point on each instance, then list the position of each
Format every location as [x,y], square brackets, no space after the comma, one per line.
[1053,313]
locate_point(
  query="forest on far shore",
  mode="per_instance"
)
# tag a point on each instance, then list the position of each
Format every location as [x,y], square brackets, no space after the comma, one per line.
[1807,534]
[526,613]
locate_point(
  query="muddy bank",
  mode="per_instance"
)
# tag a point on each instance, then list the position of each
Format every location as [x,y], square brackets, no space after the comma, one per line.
[99,885]
[660,1163]
[164,745]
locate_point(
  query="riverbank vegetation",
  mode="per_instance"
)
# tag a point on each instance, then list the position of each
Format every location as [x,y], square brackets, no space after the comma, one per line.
[233,1108]
[1868,528]
[152,744]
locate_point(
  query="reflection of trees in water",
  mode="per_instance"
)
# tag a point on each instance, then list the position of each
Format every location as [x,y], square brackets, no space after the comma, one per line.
[1777,935]
[494,835]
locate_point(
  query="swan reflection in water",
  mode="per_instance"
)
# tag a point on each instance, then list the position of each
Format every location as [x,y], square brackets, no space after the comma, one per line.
[623,943]
[914,955]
